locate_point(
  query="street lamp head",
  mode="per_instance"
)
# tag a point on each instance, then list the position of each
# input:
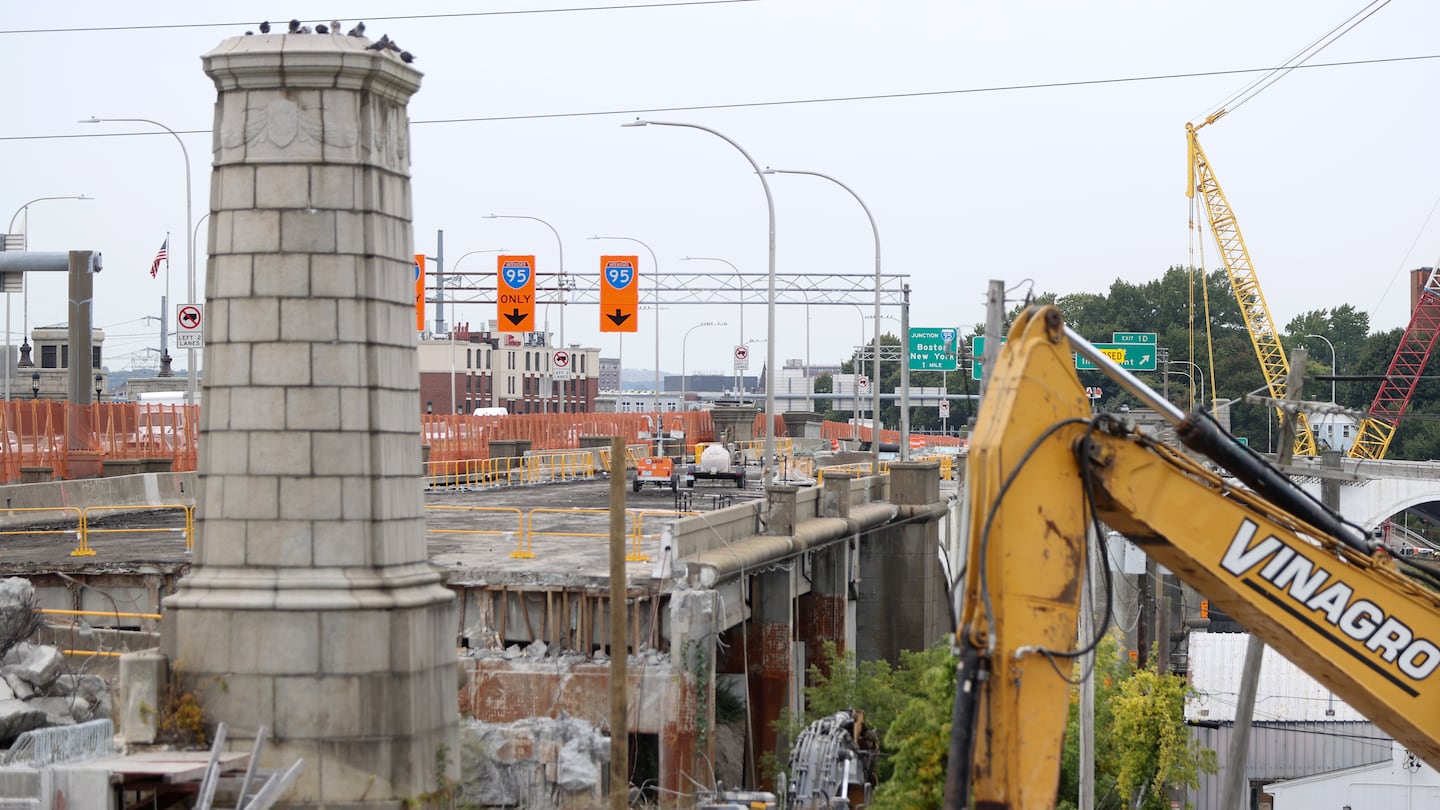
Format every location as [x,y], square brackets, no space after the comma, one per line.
[91,120]
[491,216]
[638,122]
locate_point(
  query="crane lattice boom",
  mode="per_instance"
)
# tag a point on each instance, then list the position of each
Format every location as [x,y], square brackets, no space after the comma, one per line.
[1246,285]
[1378,427]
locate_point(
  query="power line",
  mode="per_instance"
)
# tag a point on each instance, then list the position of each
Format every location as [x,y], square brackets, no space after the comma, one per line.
[1299,58]
[511,13]
[788,102]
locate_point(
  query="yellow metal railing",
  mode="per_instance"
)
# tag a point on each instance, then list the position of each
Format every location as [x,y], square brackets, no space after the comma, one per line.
[109,614]
[78,532]
[636,554]
[188,529]
[522,550]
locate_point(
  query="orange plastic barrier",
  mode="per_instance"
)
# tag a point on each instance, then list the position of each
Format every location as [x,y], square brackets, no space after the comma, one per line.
[458,437]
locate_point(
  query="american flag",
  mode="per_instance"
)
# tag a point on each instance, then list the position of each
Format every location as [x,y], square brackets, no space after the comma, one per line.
[162,255]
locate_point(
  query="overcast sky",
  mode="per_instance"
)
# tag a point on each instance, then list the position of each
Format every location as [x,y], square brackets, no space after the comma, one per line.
[971,170]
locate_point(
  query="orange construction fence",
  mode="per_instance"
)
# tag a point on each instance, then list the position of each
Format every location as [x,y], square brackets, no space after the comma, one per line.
[42,434]
[844,430]
[460,437]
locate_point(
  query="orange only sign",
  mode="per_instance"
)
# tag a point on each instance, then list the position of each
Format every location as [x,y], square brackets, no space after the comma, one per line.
[419,292]
[515,293]
[619,293]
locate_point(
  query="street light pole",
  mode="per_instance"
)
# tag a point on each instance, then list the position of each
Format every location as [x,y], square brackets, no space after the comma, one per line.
[189,241]
[562,283]
[441,298]
[875,359]
[770,294]
[9,229]
[1201,374]
[683,341]
[740,289]
[855,395]
[655,270]
[1332,363]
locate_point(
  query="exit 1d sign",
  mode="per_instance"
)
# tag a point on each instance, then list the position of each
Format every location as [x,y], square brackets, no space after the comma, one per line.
[933,349]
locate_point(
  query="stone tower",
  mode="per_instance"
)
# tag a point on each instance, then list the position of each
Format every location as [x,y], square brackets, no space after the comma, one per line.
[312,608]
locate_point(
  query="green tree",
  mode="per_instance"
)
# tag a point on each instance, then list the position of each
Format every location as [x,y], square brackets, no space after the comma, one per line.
[824,384]
[1142,746]
[1154,749]
[917,742]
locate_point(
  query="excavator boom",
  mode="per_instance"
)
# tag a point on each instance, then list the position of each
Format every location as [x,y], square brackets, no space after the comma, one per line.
[1294,573]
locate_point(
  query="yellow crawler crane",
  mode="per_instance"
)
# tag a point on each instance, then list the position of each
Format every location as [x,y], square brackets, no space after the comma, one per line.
[1273,364]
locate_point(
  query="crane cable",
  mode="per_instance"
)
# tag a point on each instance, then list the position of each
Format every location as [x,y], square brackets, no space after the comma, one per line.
[1263,82]
[1229,104]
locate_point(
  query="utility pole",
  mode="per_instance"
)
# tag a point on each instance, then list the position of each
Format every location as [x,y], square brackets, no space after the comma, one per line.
[1236,792]
[619,644]
[904,378]
[994,322]
[1087,686]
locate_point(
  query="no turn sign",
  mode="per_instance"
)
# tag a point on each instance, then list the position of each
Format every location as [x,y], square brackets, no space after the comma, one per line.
[560,365]
[742,358]
[188,333]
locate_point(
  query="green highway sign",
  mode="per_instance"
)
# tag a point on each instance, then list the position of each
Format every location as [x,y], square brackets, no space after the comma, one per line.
[977,351]
[1134,351]
[1130,356]
[933,348]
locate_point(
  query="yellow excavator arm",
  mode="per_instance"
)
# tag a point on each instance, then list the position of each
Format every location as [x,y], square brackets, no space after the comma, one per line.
[1041,466]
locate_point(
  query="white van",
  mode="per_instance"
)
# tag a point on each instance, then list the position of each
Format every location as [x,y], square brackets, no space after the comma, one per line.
[492,412]
[164,398]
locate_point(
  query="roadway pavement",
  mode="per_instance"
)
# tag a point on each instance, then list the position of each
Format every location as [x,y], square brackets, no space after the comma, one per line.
[472,534]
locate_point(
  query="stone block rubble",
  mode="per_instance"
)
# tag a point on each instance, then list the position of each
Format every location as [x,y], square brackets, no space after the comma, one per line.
[37,688]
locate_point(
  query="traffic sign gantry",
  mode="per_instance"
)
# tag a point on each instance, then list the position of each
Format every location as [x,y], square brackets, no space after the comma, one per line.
[619,293]
[932,349]
[515,287]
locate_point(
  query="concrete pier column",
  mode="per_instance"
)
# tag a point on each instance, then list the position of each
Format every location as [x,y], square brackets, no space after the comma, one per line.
[688,740]
[312,608]
[773,684]
[822,614]
[735,423]
[903,603]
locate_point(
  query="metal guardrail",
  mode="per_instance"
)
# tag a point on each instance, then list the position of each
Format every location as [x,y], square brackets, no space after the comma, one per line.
[188,529]
[78,532]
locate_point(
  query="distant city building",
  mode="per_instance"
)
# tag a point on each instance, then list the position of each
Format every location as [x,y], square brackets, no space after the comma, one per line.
[49,378]
[467,370]
[643,402]
[1334,431]
[610,374]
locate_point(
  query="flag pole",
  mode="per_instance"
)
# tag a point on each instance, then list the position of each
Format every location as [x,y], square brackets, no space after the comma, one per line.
[165,315]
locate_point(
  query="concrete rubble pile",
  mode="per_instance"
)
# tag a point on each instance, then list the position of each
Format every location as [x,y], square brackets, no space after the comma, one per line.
[539,764]
[36,687]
